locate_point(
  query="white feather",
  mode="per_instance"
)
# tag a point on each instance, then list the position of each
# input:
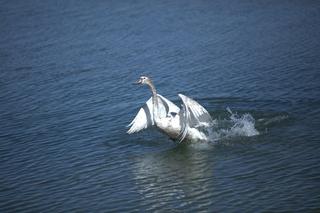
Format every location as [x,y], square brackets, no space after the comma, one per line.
[144,118]
[168,118]
[178,124]
[193,115]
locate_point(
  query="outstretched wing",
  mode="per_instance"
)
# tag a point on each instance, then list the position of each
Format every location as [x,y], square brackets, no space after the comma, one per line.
[192,115]
[144,118]
[166,107]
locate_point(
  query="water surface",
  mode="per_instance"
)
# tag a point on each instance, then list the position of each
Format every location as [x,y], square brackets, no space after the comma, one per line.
[66,98]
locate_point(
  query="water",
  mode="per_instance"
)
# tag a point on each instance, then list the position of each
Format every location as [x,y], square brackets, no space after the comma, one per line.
[66,98]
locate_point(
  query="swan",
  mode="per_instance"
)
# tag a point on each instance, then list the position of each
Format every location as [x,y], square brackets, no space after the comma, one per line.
[179,124]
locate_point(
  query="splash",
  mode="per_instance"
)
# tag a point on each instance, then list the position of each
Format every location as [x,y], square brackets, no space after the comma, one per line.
[234,125]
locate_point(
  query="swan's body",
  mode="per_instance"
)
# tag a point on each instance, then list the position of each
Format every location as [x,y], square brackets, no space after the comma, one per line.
[178,124]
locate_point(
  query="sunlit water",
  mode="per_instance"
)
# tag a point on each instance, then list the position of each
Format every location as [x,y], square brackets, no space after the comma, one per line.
[66,98]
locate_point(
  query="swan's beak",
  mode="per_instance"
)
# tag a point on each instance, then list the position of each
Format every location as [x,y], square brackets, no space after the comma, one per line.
[138,82]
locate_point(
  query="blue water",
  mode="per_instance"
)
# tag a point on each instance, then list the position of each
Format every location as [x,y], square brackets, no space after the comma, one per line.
[66,96]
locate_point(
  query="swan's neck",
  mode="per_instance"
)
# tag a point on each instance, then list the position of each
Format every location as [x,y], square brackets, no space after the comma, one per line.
[154,95]
[154,100]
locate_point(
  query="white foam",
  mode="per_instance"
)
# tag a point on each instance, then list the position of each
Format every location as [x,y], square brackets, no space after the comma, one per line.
[233,126]
[243,125]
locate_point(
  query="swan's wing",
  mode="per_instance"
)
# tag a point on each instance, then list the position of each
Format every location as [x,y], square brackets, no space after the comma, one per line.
[143,119]
[166,107]
[184,117]
[192,115]
[197,114]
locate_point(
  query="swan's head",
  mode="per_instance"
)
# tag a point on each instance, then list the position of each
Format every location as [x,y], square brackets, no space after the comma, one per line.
[143,80]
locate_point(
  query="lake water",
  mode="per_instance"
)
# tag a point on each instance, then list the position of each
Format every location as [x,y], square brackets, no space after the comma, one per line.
[66,97]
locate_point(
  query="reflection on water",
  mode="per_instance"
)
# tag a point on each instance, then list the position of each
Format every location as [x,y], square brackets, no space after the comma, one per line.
[172,179]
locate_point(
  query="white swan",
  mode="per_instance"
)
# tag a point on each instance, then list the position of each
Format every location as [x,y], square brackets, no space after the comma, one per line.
[180,125]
